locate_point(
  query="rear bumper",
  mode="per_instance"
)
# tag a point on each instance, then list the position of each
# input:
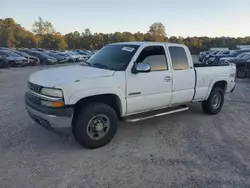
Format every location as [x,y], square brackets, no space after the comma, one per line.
[233,89]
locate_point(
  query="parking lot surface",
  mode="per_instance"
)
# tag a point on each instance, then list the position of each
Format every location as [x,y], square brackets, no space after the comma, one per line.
[188,149]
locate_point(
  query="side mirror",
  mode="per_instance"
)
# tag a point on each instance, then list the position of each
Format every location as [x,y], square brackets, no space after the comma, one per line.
[141,68]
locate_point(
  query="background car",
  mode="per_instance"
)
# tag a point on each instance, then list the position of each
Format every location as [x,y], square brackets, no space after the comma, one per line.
[243,65]
[232,54]
[60,58]
[76,57]
[231,59]
[203,54]
[212,54]
[32,60]
[13,58]
[215,59]
[4,63]
[44,58]
[85,53]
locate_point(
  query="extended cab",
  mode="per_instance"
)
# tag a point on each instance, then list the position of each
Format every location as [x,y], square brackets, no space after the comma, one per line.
[129,81]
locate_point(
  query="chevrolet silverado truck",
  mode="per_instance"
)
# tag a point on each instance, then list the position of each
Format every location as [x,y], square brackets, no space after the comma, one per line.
[130,81]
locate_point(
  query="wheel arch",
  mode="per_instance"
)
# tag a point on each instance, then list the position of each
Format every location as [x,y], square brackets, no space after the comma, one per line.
[110,99]
[222,83]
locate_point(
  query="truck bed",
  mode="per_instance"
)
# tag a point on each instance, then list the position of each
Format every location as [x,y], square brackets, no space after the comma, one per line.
[210,65]
[207,74]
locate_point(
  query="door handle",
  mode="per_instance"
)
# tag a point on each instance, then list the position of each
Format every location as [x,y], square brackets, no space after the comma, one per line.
[167,79]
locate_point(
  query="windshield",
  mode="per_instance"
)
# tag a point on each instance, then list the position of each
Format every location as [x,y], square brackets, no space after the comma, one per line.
[246,56]
[113,57]
[62,54]
[215,52]
[73,53]
[12,53]
[22,53]
[225,52]
[220,52]
[241,55]
[234,52]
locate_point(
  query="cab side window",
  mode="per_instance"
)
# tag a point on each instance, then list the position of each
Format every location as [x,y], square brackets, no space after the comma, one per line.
[155,56]
[179,58]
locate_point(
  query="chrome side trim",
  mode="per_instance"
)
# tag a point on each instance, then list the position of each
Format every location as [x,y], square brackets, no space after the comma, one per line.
[44,97]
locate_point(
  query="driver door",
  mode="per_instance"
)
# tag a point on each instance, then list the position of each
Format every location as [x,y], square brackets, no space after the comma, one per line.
[151,90]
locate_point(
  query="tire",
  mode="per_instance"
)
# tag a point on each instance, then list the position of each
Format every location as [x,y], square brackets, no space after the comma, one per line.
[242,72]
[82,129]
[209,106]
[12,64]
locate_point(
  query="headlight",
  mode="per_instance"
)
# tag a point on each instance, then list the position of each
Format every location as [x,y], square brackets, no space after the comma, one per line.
[52,92]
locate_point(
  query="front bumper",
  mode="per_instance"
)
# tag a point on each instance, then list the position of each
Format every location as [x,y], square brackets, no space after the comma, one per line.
[51,118]
[49,121]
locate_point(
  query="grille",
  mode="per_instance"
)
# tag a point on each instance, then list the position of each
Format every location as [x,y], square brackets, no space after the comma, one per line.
[34,99]
[34,87]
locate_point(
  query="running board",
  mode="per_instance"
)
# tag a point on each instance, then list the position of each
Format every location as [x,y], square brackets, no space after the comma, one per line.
[153,114]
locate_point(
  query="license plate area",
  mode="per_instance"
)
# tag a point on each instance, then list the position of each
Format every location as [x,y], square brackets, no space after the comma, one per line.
[40,121]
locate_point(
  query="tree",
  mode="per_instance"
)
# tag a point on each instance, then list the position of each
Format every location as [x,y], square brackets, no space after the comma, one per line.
[157,31]
[50,41]
[14,35]
[73,40]
[42,27]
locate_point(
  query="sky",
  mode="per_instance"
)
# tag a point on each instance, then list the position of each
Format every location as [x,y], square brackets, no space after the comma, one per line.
[181,17]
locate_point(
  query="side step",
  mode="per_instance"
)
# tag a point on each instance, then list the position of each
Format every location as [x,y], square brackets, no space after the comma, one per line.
[155,113]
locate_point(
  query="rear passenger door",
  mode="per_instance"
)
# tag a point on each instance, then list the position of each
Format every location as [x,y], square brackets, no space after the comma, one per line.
[183,75]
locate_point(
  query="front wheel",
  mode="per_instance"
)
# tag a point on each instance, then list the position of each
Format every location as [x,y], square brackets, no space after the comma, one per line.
[215,101]
[95,125]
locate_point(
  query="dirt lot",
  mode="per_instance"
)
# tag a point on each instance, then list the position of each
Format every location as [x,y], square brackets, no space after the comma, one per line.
[189,149]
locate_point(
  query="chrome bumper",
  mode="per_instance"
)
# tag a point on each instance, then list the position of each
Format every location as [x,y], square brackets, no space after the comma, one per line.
[49,121]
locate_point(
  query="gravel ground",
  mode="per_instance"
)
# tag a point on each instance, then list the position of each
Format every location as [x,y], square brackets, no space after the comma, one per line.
[188,149]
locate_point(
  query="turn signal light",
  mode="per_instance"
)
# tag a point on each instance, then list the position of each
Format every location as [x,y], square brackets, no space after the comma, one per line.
[54,104]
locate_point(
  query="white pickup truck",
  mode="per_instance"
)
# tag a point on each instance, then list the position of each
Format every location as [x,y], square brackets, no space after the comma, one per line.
[129,81]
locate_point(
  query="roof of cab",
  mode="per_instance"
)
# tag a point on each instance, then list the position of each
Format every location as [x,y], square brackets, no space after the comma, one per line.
[139,43]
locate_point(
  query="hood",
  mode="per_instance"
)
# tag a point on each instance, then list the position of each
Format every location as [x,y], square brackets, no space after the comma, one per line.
[62,75]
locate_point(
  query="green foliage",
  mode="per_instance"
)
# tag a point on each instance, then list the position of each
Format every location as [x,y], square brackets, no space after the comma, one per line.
[50,41]
[157,32]
[13,35]
[44,36]
[43,27]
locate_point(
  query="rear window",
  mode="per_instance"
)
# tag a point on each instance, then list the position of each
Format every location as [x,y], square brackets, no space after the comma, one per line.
[179,58]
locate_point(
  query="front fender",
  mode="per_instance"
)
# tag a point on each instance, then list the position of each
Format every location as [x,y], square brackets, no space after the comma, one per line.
[75,97]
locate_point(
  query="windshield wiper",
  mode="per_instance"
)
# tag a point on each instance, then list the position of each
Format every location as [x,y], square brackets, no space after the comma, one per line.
[85,63]
[100,65]
[97,65]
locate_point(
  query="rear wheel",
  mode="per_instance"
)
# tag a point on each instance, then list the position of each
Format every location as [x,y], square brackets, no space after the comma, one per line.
[95,125]
[215,101]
